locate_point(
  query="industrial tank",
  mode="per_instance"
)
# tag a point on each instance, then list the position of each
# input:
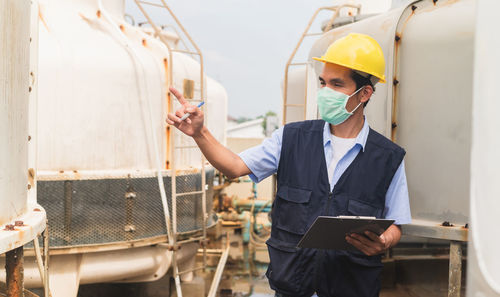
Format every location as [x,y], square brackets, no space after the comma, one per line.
[21,218]
[102,103]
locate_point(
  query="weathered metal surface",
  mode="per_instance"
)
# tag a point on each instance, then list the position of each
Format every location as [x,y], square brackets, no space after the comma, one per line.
[14,102]
[96,92]
[21,219]
[483,265]
[14,260]
[455,271]
[432,229]
[12,236]
[27,293]
[433,66]
[91,212]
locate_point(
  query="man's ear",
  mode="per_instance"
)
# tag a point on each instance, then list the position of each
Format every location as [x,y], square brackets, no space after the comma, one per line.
[366,93]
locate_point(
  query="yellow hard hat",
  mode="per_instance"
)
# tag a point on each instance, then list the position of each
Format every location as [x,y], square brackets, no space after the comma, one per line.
[359,52]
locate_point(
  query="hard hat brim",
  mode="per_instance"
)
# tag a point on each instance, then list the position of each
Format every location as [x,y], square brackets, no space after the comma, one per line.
[381,79]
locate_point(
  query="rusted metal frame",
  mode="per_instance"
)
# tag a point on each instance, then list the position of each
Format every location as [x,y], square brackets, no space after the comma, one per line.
[169,152]
[103,247]
[290,59]
[68,202]
[212,251]
[395,81]
[295,105]
[14,272]
[189,193]
[456,235]
[202,94]
[151,3]
[220,268]
[41,265]
[191,270]
[186,52]
[455,270]
[289,63]
[46,256]
[191,239]
[315,34]
[429,229]
[176,32]
[27,293]
[337,11]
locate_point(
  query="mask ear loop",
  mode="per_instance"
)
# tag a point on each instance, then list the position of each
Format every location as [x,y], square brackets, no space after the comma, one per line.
[352,112]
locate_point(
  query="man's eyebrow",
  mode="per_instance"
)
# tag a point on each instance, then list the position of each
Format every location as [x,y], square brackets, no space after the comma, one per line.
[334,81]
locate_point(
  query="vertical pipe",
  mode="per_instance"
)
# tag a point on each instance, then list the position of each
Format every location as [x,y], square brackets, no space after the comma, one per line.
[68,201]
[15,272]
[45,236]
[455,272]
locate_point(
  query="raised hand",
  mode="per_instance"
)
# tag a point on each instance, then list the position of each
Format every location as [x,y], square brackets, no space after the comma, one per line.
[191,126]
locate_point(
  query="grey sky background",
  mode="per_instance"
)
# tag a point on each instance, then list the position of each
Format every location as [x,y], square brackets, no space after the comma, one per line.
[246,44]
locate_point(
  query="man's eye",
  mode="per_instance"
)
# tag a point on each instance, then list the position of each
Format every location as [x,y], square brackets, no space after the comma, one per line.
[322,83]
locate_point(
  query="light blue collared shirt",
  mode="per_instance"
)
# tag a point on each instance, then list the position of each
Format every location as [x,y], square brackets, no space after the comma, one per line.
[263,161]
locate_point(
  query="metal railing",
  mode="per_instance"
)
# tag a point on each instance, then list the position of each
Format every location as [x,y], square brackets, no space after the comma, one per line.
[336,11]
[172,147]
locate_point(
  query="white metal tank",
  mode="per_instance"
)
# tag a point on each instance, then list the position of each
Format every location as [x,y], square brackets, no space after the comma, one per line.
[17,184]
[102,102]
[483,266]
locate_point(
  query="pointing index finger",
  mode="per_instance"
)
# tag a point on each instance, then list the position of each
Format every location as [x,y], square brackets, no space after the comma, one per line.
[178,95]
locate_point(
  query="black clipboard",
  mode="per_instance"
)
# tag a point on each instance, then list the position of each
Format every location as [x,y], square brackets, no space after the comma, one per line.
[329,232]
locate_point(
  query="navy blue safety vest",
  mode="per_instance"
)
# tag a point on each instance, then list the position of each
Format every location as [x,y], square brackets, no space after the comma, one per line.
[304,193]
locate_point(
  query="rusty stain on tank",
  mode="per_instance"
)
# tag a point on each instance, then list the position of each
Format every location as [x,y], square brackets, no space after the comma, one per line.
[394,124]
[122,28]
[42,19]
[144,42]
[76,174]
[98,13]
[9,227]
[386,25]
[31,176]
[168,153]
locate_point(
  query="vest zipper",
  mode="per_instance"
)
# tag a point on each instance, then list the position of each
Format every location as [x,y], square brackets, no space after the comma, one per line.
[330,195]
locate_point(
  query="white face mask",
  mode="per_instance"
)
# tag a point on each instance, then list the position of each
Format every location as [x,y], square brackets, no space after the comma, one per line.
[332,105]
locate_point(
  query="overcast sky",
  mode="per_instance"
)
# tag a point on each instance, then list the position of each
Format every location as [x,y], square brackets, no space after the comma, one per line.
[246,44]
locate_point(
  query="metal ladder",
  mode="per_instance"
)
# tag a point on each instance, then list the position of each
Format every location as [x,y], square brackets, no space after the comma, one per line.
[336,11]
[171,163]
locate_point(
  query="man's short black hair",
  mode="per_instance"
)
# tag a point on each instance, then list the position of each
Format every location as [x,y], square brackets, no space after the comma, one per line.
[361,81]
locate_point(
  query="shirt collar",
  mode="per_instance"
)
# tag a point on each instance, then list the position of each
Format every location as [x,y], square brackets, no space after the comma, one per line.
[360,139]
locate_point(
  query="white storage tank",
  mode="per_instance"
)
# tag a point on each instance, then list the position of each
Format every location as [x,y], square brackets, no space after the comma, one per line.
[21,218]
[102,103]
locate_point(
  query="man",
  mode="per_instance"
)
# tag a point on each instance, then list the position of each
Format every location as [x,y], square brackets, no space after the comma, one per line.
[335,166]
